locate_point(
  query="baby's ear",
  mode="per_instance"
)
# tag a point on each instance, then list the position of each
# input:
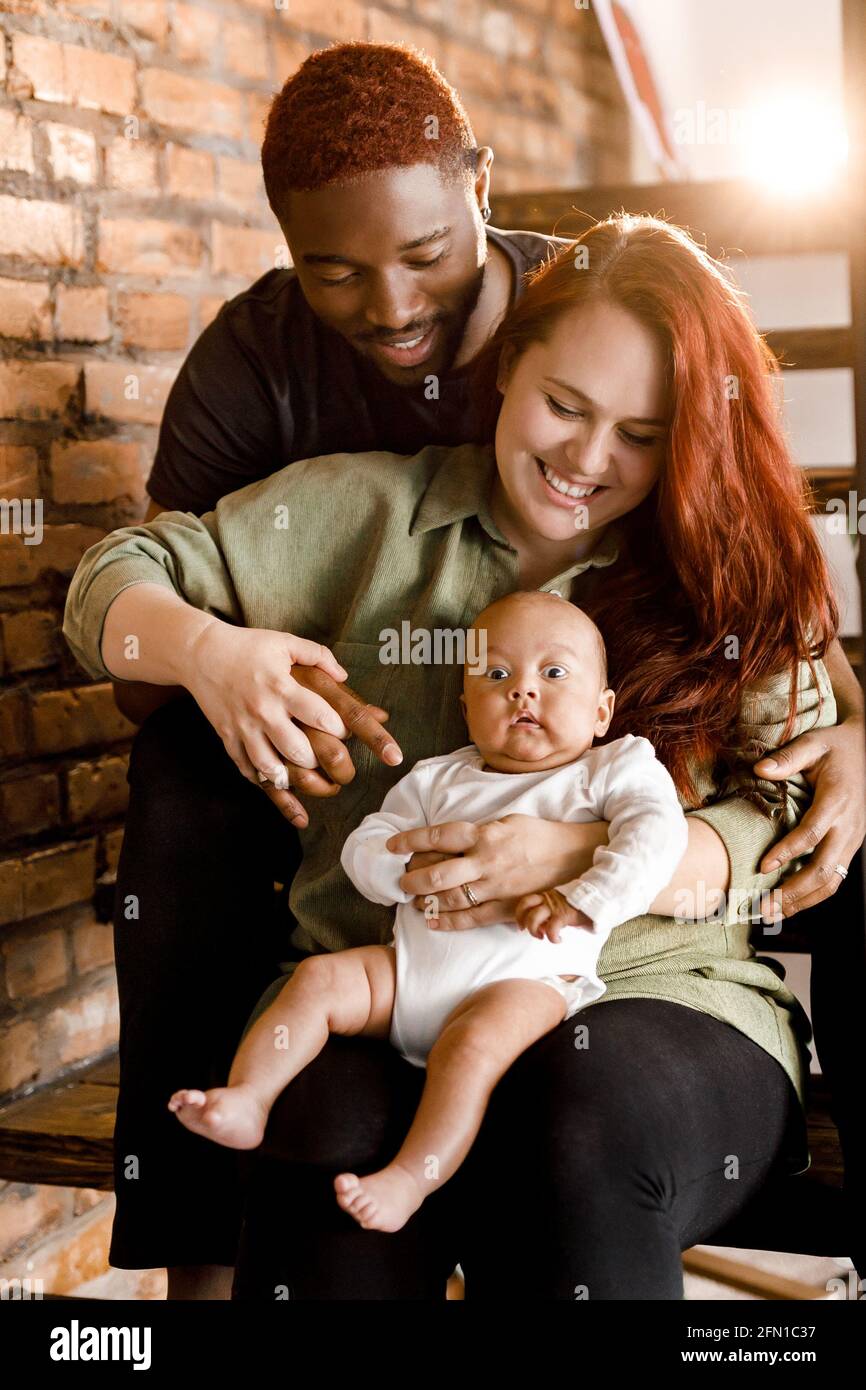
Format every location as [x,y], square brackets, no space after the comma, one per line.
[462,699]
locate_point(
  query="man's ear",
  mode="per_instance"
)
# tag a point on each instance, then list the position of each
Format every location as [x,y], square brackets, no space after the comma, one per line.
[483,164]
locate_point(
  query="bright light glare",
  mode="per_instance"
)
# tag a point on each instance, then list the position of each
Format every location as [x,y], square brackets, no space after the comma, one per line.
[796,144]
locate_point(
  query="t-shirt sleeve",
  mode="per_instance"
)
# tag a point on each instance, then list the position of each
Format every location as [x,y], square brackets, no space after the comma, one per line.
[219,430]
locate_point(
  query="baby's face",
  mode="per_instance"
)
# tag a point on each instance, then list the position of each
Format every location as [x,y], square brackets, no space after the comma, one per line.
[540,700]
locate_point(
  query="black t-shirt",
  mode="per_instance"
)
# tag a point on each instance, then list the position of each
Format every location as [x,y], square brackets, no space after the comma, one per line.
[268,383]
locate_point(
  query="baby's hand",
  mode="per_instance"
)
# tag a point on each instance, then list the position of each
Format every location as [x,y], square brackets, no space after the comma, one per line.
[543,914]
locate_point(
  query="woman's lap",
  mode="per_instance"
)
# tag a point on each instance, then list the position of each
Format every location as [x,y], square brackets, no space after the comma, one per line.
[596,1165]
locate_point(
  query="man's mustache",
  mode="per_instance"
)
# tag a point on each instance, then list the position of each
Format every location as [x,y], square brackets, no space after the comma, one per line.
[413,331]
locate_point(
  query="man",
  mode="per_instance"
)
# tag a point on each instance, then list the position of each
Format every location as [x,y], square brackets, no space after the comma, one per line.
[371,168]
[372,171]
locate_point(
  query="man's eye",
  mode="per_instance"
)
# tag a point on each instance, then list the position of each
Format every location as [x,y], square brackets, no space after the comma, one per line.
[556,671]
[344,281]
[423,265]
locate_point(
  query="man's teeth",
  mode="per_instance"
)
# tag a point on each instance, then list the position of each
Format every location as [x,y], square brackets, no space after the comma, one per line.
[563,487]
[410,342]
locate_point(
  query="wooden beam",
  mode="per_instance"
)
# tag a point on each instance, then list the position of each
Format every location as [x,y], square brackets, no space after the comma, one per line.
[735,1274]
[810,349]
[62,1134]
[727,215]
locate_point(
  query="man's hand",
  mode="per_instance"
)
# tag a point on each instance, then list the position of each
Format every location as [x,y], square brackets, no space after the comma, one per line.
[335,768]
[544,914]
[832,830]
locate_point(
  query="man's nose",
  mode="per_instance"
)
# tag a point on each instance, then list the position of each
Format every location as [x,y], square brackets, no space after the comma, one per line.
[393,303]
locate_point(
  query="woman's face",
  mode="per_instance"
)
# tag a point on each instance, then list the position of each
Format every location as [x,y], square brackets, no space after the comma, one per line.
[587,409]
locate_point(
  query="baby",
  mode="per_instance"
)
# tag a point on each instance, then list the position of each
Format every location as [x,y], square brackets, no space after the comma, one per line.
[466,1004]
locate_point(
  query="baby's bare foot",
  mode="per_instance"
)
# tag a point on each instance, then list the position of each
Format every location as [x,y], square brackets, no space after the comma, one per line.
[230,1115]
[381,1201]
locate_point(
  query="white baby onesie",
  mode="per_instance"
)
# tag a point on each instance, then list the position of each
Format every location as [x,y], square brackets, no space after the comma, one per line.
[621,782]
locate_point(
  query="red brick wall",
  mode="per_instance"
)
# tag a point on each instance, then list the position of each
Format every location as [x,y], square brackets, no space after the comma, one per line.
[131,206]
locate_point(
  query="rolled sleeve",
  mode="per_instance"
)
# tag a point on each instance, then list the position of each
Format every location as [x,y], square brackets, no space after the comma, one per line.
[176,550]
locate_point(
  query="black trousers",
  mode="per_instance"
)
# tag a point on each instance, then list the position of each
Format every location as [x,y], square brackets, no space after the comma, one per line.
[596,1164]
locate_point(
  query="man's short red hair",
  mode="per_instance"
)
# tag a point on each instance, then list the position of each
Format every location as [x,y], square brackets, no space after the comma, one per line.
[356,107]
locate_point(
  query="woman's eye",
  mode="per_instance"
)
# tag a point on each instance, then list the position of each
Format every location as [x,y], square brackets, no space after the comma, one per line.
[562,410]
[556,672]
[639,441]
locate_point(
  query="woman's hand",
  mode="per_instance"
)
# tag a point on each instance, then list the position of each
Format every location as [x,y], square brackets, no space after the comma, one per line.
[242,679]
[501,861]
[545,914]
[833,760]
[334,767]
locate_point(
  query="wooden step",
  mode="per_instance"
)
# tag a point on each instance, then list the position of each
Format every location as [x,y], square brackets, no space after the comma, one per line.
[62,1134]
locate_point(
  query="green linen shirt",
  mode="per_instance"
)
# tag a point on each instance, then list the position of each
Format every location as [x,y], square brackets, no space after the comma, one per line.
[342,547]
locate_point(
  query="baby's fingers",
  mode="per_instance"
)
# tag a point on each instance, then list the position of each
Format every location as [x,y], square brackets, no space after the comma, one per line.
[533,918]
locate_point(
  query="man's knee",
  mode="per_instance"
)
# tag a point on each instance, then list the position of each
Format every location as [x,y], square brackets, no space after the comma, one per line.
[174,741]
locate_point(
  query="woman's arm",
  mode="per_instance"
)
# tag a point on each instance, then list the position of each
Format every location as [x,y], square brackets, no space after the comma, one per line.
[127,614]
[523,854]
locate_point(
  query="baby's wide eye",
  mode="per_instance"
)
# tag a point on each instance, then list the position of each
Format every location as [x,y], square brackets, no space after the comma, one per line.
[497,673]
[555,672]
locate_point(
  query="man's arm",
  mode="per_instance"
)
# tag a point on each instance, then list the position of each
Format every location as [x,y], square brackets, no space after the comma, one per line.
[846,686]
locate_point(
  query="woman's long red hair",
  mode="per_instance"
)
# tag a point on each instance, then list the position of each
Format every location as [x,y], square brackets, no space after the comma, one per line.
[723,546]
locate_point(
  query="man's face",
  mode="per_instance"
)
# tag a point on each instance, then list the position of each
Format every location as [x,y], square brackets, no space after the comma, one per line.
[394,262]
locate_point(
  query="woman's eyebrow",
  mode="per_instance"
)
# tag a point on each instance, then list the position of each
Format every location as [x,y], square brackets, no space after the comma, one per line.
[587,400]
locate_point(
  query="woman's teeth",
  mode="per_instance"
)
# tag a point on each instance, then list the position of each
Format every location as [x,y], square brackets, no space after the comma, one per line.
[567,490]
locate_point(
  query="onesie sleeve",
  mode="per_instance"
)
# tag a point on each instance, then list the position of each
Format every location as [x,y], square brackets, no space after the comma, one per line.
[647,838]
[375,870]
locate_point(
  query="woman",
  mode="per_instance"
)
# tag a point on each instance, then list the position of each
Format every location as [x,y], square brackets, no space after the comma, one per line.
[640,470]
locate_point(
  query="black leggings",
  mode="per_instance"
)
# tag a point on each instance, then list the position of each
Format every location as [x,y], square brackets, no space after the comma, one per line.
[595,1165]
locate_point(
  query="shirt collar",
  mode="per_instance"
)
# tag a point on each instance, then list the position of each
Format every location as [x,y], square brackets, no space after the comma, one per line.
[461,487]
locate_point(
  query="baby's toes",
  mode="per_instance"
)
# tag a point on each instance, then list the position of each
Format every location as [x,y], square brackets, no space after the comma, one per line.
[187,1098]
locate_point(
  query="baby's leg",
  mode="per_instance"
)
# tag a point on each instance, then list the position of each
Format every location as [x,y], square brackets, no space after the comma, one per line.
[348,992]
[479,1041]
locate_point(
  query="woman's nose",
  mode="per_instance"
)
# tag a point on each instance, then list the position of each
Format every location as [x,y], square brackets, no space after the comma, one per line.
[588,455]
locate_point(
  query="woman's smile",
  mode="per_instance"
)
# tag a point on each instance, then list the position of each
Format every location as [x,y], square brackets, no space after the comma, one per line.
[561,490]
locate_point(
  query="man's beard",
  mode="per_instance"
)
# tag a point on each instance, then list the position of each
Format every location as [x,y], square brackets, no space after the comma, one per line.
[455,330]
[454,322]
